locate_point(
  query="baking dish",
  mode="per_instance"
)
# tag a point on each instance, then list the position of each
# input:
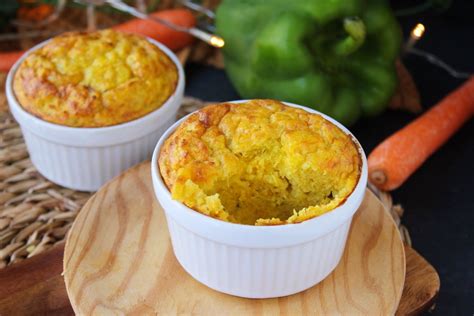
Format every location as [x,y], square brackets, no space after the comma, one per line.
[258,261]
[85,158]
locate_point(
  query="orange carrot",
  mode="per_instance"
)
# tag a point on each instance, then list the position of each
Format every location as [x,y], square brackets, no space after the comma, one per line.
[8,59]
[397,157]
[173,39]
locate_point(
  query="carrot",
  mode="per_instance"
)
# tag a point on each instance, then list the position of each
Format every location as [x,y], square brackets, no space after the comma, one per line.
[397,157]
[173,39]
[8,59]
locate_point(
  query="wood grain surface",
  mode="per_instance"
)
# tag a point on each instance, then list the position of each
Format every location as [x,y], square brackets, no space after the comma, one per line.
[36,287]
[118,259]
[421,285]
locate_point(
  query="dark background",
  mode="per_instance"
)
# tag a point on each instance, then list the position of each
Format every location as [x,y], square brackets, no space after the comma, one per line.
[439,198]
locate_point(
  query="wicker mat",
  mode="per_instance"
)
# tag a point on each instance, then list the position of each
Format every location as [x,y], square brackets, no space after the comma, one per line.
[36,214]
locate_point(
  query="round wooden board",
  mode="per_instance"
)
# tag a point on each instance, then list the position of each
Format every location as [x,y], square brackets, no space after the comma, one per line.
[118,260]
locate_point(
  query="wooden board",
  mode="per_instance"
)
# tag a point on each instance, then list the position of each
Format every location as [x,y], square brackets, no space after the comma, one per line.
[421,285]
[118,259]
[36,287]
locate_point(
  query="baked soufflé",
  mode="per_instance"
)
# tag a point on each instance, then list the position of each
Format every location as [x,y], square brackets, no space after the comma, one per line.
[95,79]
[259,163]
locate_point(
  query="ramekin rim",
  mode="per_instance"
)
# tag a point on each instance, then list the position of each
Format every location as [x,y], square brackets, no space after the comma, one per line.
[352,198]
[53,126]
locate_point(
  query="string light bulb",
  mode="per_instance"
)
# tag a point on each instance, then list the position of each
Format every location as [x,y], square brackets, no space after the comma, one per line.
[217,41]
[415,35]
[211,39]
[418,31]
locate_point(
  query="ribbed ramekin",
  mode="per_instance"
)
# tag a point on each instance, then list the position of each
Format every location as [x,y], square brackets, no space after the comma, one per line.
[257,261]
[85,158]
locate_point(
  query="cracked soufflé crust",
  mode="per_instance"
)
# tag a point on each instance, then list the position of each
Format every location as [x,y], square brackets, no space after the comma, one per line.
[259,163]
[95,79]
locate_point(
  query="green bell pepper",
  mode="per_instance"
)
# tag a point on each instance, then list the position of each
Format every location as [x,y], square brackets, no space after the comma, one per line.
[336,56]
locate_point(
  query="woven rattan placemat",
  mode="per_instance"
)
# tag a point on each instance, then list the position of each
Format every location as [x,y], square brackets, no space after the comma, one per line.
[36,214]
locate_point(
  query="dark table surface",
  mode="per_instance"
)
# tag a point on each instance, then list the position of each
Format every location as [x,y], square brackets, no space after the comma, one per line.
[439,198]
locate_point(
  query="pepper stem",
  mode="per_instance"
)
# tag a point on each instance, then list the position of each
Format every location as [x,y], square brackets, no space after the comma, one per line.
[355,29]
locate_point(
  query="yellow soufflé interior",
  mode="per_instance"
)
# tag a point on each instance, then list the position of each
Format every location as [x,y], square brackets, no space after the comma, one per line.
[259,163]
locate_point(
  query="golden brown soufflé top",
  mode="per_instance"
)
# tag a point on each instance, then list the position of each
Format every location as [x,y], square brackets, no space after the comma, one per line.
[259,163]
[95,79]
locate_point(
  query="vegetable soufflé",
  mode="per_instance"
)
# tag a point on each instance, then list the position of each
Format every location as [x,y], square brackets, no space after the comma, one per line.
[259,163]
[95,79]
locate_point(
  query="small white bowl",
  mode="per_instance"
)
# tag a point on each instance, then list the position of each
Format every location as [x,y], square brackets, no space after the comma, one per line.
[257,261]
[85,158]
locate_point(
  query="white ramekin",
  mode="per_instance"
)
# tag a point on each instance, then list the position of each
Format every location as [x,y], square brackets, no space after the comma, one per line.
[85,158]
[257,261]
